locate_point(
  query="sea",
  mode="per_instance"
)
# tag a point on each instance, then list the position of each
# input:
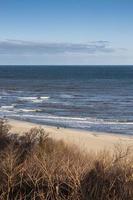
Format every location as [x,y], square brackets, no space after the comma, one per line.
[95,98]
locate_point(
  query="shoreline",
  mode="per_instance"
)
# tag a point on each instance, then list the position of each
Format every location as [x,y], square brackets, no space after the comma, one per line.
[85,140]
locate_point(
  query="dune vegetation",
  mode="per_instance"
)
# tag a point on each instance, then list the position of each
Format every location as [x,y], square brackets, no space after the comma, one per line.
[33,166]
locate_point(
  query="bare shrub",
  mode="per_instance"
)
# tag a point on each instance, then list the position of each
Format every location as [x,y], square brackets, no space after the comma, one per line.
[36,167]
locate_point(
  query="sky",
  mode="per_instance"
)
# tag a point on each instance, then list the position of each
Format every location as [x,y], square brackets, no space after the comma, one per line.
[66,32]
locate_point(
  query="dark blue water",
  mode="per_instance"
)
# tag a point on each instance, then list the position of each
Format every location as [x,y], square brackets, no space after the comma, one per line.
[98,98]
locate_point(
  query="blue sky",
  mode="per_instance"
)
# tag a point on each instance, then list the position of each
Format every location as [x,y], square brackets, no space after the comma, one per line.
[66,32]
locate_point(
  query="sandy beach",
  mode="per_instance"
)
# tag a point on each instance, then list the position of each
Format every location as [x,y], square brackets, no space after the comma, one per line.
[85,140]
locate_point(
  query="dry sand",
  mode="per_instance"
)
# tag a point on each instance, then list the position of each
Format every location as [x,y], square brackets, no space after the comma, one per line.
[85,140]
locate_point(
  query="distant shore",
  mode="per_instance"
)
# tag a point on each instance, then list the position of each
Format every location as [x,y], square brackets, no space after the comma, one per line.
[85,140]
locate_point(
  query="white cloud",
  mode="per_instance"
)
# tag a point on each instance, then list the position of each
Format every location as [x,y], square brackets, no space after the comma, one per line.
[20,47]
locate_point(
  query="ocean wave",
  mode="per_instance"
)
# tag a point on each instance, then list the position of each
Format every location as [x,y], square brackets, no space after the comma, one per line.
[65,119]
[7,107]
[37,100]
[70,120]
[27,98]
[45,97]
[78,123]
[34,99]
[28,110]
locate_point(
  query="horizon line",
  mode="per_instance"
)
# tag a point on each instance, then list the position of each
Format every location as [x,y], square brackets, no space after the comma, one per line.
[66,65]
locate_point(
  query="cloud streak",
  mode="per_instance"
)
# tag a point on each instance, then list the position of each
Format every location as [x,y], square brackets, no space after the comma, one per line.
[20,47]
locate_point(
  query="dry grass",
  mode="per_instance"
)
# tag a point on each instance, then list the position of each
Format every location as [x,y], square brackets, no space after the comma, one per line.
[35,167]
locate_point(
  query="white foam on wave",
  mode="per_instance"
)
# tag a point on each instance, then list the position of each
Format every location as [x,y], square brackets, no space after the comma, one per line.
[7,107]
[43,98]
[27,98]
[65,119]
[81,120]
[28,110]
[34,99]
[37,101]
